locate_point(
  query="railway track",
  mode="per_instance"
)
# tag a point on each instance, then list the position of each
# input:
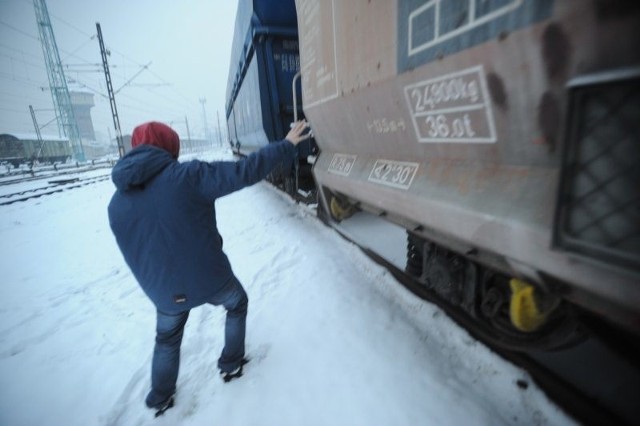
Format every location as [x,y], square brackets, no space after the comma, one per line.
[54,185]
[33,174]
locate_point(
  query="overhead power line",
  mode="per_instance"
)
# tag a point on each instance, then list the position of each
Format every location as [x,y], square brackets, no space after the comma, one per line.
[22,61]
[18,30]
[144,67]
[21,51]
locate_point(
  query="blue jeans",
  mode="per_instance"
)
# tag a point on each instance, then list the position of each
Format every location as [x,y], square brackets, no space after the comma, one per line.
[169,331]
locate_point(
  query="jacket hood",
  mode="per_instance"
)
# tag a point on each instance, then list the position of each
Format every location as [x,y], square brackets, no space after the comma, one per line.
[156,134]
[139,166]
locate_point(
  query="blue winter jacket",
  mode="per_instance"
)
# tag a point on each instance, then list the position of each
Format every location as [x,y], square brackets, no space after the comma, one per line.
[163,218]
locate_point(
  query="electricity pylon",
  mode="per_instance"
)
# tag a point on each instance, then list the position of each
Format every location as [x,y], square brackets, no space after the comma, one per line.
[66,119]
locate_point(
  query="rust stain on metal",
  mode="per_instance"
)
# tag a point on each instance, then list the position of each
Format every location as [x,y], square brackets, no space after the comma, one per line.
[497,91]
[556,51]
[549,118]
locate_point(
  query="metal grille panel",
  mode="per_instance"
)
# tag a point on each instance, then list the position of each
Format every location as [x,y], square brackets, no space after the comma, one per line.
[599,203]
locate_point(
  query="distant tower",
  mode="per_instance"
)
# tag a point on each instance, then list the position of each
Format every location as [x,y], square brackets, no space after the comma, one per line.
[82,102]
[57,82]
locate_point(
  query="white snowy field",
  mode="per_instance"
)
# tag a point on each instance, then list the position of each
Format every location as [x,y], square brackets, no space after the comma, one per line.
[333,339]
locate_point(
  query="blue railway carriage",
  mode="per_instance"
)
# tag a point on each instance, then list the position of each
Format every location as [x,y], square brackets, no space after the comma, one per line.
[263,91]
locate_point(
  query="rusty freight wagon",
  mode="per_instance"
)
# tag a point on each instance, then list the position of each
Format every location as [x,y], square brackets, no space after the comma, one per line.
[502,135]
[27,149]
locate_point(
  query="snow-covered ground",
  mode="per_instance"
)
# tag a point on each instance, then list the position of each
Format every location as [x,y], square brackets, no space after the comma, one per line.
[333,339]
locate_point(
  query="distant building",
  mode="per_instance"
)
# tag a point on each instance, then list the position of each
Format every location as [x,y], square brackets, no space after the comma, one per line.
[82,102]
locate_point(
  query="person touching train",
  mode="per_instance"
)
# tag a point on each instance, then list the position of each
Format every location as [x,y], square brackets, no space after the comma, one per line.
[162,215]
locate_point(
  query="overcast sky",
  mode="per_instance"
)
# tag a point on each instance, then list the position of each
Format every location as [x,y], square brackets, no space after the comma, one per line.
[187,42]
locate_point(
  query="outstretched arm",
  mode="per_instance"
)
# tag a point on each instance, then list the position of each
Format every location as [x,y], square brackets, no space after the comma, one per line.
[217,179]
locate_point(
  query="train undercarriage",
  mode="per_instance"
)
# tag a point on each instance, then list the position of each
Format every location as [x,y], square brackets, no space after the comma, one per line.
[583,362]
[509,312]
[506,311]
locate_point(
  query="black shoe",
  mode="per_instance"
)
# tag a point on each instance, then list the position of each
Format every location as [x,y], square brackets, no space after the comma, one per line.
[164,406]
[227,376]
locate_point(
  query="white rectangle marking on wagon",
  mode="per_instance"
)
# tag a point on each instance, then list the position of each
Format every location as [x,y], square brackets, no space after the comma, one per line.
[341,164]
[319,79]
[397,174]
[454,107]
[433,7]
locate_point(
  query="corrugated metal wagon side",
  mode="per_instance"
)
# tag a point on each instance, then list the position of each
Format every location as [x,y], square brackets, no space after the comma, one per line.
[502,134]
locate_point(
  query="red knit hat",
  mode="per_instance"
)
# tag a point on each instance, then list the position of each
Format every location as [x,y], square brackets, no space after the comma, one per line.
[156,134]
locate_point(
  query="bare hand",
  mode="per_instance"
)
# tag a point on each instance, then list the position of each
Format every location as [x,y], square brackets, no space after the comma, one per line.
[295,135]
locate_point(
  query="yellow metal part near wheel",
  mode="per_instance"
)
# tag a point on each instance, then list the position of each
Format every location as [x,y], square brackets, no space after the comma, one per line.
[341,209]
[527,310]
